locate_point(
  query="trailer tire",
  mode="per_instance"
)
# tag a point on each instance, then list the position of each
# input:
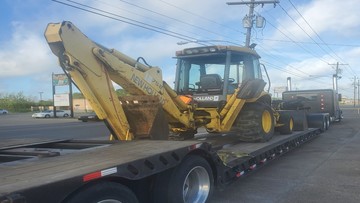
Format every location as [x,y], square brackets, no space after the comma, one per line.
[104,192]
[327,119]
[255,123]
[191,181]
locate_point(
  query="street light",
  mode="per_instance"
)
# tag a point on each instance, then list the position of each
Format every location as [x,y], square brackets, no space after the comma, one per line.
[41,95]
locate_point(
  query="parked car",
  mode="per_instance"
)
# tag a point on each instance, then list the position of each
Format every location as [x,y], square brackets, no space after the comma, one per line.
[3,111]
[90,117]
[50,113]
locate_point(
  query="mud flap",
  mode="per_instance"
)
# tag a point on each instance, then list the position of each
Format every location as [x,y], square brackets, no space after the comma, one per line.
[251,89]
[146,117]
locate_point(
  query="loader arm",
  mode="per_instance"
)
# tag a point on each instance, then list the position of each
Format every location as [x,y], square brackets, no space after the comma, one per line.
[93,68]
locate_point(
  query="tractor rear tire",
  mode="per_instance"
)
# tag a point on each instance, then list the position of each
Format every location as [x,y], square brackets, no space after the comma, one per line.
[255,123]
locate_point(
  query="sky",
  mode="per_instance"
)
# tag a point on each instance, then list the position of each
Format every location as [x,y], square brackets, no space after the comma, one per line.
[301,39]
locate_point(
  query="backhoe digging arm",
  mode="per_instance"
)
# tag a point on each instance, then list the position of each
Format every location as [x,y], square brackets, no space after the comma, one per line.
[93,68]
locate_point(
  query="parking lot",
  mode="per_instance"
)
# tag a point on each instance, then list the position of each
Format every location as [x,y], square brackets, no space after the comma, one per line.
[21,128]
[325,170]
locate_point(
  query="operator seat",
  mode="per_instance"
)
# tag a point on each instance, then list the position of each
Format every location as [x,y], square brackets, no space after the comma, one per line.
[211,83]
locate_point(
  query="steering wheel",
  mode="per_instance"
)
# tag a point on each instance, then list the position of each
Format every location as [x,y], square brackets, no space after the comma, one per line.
[192,87]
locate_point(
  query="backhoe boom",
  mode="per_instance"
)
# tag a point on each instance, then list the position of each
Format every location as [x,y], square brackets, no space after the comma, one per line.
[93,68]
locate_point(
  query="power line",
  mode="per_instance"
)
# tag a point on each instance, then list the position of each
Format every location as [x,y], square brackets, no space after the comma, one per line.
[154,28]
[351,70]
[303,42]
[314,31]
[266,53]
[141,24]
[282,69]
[129,21]
[298,43]
[175,19]
[213,21]
[202,17]
[304,31]
[136,14]
[295,42]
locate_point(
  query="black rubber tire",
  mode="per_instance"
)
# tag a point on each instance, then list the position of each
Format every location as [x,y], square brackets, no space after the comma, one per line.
[249,125]
[327,120]
[171,185]
[288,126]
[104,191]
[47,116]
[300,120]
[323,128]
[317,121]
[66,115]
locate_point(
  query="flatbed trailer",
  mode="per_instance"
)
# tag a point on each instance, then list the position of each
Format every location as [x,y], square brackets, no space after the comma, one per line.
[66,170]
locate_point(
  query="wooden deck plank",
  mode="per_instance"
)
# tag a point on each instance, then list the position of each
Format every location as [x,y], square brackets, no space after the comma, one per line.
[51,169]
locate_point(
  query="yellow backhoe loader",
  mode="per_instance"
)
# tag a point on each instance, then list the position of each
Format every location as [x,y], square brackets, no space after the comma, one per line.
[219,88]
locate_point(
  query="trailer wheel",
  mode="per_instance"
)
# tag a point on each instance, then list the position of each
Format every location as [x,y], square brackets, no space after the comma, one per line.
[324,125]
[191,181]
[104,192]
[255,122]
[327,118]
[288,124]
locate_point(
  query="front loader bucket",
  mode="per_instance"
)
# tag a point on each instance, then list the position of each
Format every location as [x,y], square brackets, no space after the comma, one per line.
[145,116]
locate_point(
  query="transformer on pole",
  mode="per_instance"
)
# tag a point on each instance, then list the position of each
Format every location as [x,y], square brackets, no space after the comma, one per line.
[248,20]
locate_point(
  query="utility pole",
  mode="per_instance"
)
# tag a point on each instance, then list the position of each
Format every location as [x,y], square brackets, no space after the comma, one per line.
[337,75]
[249,19]
[354,89]
[358,91]
[41,95]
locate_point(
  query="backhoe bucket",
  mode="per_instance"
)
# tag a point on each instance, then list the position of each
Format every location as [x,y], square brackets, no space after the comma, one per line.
[145,116]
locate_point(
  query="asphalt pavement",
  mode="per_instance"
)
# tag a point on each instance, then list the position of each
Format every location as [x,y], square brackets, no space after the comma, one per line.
[326,169]
[21,128]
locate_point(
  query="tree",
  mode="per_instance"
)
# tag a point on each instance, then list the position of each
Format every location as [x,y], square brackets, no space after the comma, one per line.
[78,95]
[16,102]
[121,92]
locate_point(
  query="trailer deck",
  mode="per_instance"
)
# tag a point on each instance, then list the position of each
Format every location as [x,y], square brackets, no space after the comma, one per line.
[40,170]
[49,163]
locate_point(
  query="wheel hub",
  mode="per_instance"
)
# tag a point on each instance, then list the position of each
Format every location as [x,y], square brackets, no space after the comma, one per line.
[196,186]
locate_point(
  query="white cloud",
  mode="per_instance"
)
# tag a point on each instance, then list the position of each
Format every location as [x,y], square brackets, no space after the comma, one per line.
[327,17]
[25,53]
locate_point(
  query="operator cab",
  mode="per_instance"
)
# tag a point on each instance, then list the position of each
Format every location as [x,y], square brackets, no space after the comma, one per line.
[211,73]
